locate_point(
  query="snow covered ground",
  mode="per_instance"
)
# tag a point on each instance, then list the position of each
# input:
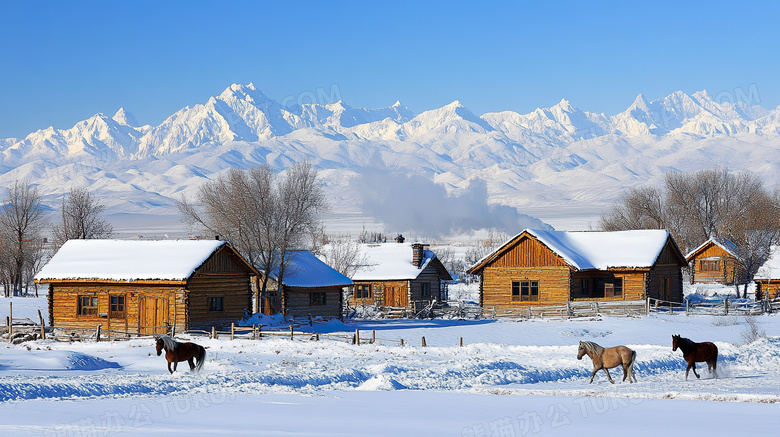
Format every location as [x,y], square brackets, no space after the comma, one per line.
[509,379]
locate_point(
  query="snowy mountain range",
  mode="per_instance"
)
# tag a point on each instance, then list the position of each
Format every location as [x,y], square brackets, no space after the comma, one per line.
[553,157]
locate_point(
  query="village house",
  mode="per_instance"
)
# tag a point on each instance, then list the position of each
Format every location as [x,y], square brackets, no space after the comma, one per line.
[542,267]
[309,288]
[398,275]
[767,278]
[714,262]
[147,287]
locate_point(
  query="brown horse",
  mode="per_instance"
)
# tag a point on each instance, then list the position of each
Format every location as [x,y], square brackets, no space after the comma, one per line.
[697,352]
[607,358]
[175,352]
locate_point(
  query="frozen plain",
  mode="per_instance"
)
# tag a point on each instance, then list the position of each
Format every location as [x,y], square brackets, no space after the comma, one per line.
[509,379]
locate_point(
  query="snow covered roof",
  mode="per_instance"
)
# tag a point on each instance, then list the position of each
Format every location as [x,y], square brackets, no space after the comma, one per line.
[771,268]
[306,270]
[128,260]
[390,262]
[723,243]
[596,250]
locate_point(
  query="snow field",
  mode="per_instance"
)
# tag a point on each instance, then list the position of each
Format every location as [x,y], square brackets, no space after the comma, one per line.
[510,378]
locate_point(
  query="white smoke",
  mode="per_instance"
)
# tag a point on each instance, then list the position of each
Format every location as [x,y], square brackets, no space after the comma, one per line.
[413,203]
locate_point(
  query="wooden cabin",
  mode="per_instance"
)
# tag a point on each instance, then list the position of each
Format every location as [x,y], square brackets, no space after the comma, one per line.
[714,262]
[309,288]
[398,275]
[541,267]
[767,278]
[147,287]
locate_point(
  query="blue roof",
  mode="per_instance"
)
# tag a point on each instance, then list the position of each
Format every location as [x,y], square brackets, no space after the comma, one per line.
[306,270]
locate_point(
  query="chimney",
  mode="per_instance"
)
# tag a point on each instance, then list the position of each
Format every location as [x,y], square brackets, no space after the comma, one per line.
[417,254]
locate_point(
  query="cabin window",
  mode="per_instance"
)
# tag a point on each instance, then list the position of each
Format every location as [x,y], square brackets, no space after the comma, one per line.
[88,305]
[613,288]
[216,304]
[525,290]
[709,265]
[317,298]
[425,289]
[117,307]
[363,291]
[585,287]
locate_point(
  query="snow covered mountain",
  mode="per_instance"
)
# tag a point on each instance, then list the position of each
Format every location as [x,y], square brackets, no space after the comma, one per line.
[552,157]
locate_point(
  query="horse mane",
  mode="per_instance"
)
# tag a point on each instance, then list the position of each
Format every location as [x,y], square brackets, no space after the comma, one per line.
[168,343]
[593,348]
[685,343]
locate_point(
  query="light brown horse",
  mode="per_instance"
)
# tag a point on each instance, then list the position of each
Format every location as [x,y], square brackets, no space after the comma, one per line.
[175,352]
[607,358]
[697,352]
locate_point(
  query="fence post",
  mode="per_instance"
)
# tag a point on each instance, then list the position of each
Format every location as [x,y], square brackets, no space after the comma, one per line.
[8,322]
[461,342]
[260,331]
[357,337]
[647,305]
[423,342]
[213,332]
[97,333]
[292,333]
[687,308]
[232,331]
[311,322]
[402,342]
[373,336]
[726,307]
[43,328]
[316,336]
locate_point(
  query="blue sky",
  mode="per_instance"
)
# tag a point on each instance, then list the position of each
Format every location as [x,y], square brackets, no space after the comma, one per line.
[61,62]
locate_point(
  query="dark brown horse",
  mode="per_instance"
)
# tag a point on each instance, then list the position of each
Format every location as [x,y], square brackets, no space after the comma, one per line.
[175,352]
[607,358]
[697,352]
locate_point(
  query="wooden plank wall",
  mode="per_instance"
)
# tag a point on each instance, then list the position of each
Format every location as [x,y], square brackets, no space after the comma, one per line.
[724,275]
[497,285]
[64,305]
[529,252]
[378,288]
[298,303]
[233,288]
[769,290]
[633,283]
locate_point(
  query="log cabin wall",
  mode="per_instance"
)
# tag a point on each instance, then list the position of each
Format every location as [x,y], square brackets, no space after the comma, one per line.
[428,276]
[527,260]
[497,285]
[725,271]
[589,284]
[768,288]
[301,303]
[392,290]
[147,308]
[221,279]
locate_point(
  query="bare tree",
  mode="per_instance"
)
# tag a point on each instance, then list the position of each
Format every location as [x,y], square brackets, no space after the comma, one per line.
[22,218]
[711,203]
[81,218]
[262,214]
[344,255]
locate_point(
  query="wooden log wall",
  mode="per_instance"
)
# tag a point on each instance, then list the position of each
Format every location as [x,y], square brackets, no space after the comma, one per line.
[727,272]
[64,306]
[234,289]
[299,303]
[497,285]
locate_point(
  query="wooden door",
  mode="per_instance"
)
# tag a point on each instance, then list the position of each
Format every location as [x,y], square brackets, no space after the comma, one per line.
[665,293]
[154,315]
[396,297]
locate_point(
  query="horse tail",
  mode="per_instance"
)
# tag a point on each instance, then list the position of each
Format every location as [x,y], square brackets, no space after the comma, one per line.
[631,366]
[201,358]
